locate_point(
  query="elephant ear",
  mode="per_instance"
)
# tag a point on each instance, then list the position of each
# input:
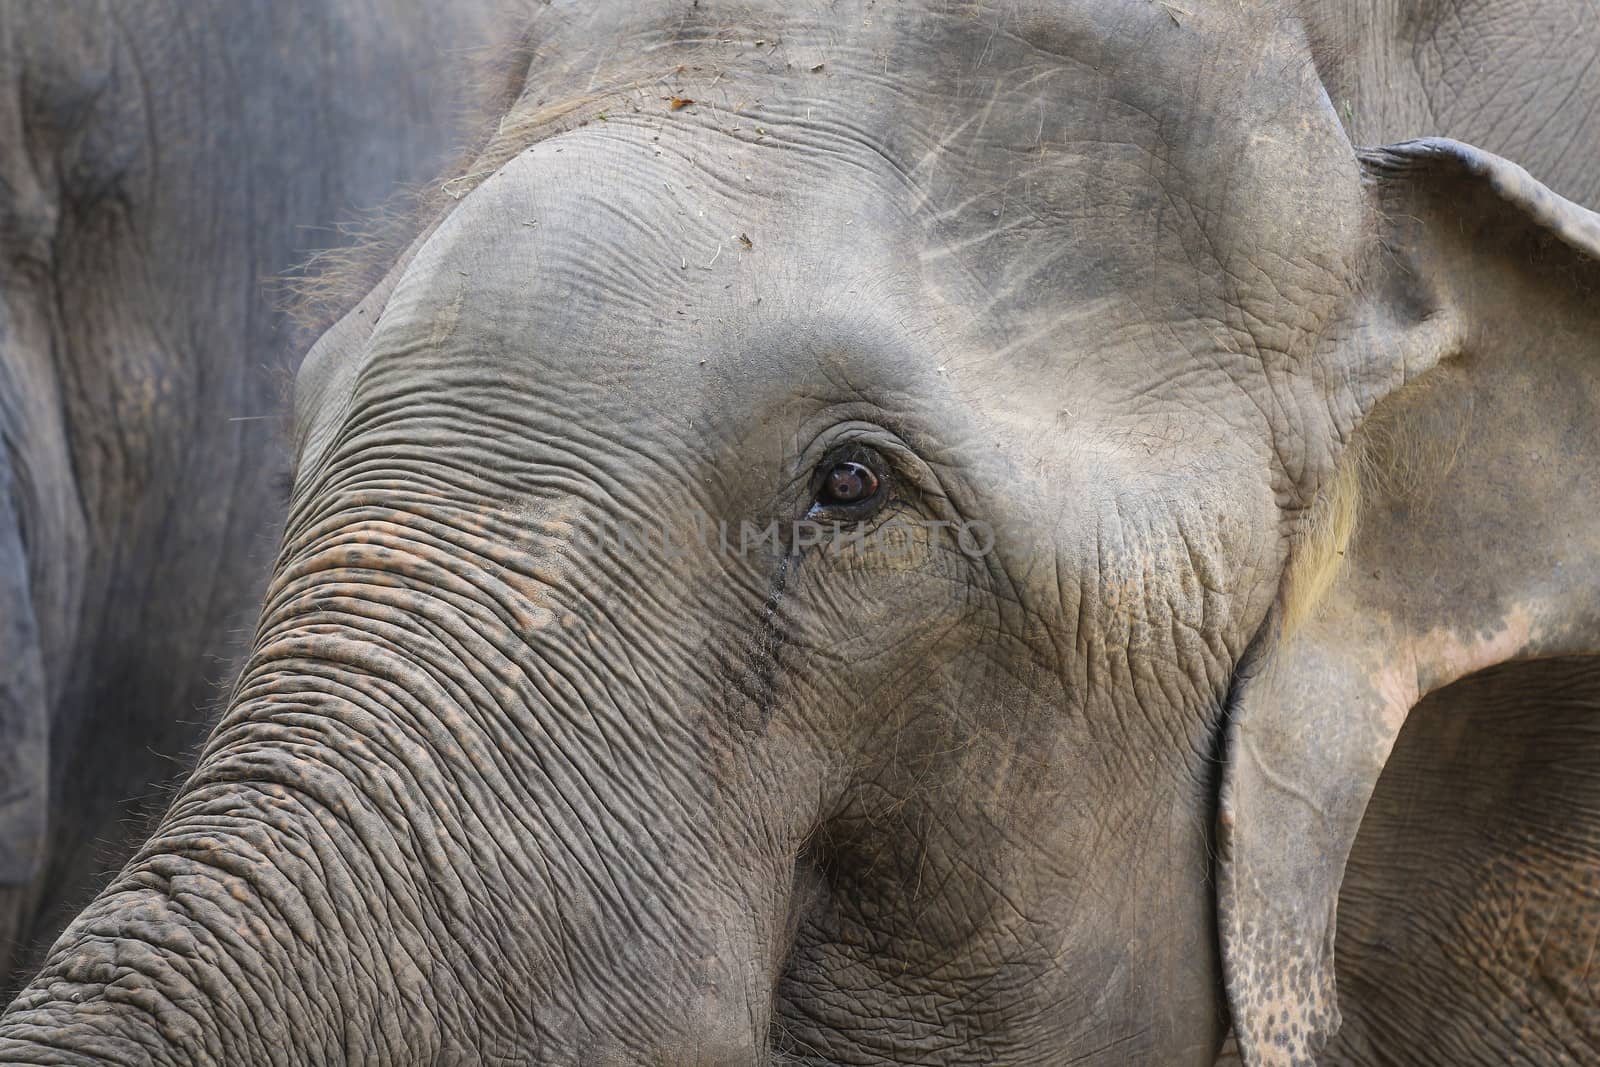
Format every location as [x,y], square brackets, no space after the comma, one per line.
[1460,533]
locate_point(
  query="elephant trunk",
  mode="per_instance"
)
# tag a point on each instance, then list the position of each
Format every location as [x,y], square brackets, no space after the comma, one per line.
[434,826]
[268,921]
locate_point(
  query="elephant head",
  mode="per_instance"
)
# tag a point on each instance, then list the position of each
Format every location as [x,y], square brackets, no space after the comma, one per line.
[838,544]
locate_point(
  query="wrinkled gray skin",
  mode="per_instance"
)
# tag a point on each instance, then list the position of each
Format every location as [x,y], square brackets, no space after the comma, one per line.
[158,162]
[497,787]
[1516,77]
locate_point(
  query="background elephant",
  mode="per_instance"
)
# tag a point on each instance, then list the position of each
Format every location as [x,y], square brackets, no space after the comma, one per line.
[1276,441]
[159,162]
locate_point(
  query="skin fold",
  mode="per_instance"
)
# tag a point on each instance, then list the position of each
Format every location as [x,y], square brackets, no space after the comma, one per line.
[499,786]
[162,161]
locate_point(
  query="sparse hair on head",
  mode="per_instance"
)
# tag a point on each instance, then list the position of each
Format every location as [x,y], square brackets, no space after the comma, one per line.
[331,281]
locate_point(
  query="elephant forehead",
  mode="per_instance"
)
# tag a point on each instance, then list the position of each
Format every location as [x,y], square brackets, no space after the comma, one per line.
[596,258]
[1093,191]
[1184,152]
[1082,219]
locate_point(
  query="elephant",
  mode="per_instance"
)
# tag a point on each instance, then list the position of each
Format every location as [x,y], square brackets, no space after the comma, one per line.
[161,161]
[933,533]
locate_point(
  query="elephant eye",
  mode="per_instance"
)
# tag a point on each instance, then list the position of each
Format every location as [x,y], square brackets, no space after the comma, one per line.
[847,483]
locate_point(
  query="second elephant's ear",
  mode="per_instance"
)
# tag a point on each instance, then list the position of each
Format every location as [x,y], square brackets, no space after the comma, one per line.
[1461,533]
